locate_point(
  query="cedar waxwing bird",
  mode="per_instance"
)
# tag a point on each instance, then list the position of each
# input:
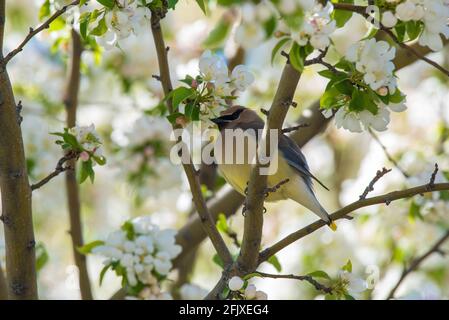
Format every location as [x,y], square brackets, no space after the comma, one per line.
[292,164]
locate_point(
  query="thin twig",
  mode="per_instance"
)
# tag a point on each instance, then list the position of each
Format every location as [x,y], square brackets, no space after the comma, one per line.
[34,31]
[318,286]
[275,188]
[294,128]
[387,154]
[431,183]
[415,263]
[59,168]
[343,213]
[370,187]
[72,186]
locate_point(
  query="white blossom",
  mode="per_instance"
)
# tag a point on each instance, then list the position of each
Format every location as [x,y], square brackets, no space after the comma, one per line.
[352,283]
[149,250]
[235,283]
[389,20]
[374,60]
[213,67]
[241,77]
[434,14]
[316,27]
[250,292]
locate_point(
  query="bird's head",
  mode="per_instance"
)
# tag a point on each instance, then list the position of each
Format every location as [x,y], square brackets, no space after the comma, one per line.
[236,117]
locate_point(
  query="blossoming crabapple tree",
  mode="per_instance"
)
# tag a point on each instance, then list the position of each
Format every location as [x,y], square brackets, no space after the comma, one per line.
[361,93]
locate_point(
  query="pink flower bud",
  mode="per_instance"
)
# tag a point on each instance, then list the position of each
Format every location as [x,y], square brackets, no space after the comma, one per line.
[84,156]
[194,84]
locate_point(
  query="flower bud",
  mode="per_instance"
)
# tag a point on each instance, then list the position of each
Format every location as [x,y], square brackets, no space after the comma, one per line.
[84,156]
[235,284]
[388,19]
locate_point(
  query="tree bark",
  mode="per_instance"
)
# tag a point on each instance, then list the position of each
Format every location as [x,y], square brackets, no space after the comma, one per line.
[15,192]
[3,287]
[72,187]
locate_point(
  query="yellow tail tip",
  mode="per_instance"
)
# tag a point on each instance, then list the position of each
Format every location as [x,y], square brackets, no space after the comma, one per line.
[333,226]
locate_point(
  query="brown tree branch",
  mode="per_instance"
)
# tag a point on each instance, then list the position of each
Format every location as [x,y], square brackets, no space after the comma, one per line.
[34,31]
[252,235]
[317,285]
[415,263]
[343,213]
[59,168]
[72,186]
[192,177]
[16,194]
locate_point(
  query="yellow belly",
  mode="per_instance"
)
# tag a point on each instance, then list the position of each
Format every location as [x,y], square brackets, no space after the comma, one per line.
[237,175]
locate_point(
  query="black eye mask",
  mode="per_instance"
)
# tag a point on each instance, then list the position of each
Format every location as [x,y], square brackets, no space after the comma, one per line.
[227,118]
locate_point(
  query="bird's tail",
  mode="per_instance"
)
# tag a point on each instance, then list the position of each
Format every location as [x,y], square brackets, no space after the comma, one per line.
[327,218]
[306,197]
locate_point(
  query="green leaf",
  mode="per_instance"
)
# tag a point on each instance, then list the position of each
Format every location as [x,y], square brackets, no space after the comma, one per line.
[269,26]
[413,29]
[128,227]
[87,248]
[396,97]
[57,24]
[100,29]
[218,35]
[274,261]
[225,292]
[400,30]
[349,297]
[414,211]
[100,160]
[86,171]
[329,99]
[217,260]
[172,117]
[296,60]
[222,224]
[44,10]
[179,95]
[342,16]
[203,5]
[278,47]
[326,74]
[107,3]
[84,23]
[103,272]
[319,274]
[348,266]
[171,4]
[42,256]
[357,101]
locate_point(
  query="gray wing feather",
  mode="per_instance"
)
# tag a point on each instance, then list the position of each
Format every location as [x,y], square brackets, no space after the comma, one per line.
[297,160]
